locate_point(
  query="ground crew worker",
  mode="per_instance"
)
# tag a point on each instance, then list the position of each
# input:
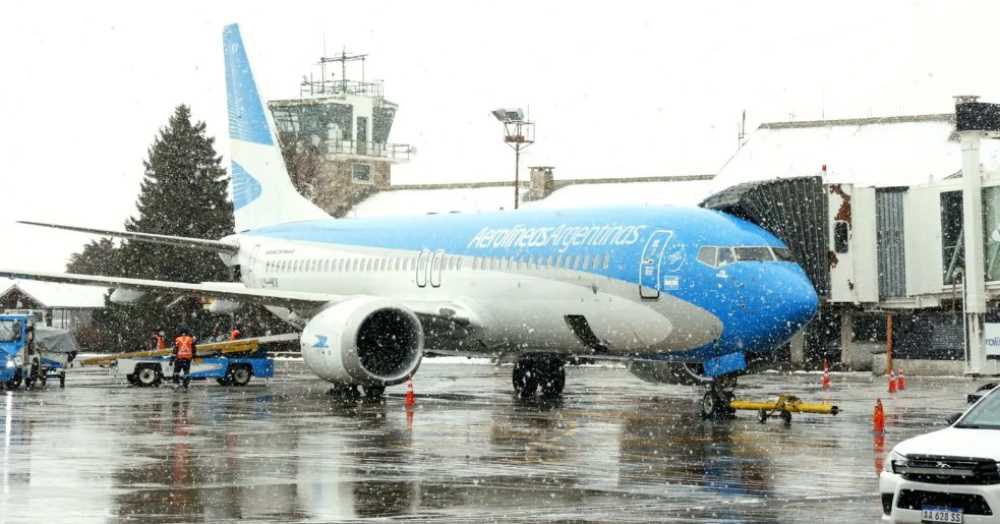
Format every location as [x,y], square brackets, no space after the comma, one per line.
[184,352]
[158,341]
[235,334]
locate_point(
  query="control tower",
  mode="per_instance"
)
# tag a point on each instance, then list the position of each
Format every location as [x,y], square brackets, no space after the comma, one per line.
[335,136]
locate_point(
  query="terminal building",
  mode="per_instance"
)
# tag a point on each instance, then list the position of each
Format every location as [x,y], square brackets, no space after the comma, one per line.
[873,207]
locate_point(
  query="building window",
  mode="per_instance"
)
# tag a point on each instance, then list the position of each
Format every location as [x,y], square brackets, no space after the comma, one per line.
[951,235]
[361,174]
[841,233]
[991,231]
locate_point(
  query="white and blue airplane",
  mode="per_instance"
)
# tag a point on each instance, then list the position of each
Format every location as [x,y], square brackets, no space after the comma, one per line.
[687,290]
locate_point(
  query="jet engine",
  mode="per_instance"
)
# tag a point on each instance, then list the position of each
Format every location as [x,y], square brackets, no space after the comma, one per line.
[363,341]
[125,297]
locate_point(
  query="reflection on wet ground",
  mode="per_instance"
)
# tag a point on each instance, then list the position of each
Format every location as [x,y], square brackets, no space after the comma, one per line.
[614,449]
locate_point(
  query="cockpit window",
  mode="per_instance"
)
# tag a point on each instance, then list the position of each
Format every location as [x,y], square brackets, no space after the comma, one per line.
[783,254]
[753,254]
[726,256]
[9,330]
[706,255]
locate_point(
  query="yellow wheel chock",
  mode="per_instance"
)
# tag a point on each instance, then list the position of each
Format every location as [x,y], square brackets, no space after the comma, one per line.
[784,407]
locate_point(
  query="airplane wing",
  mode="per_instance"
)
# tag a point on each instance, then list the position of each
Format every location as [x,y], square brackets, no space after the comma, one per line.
[197,243]
[267,297]
[445,312]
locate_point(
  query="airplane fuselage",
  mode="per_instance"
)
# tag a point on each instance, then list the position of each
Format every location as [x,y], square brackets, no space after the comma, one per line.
[640,278]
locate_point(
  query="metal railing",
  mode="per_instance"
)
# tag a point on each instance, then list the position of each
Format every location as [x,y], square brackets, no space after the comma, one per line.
[341,87]
[393,152]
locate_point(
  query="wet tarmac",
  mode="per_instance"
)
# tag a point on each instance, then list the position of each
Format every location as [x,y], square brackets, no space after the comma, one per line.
[614,449]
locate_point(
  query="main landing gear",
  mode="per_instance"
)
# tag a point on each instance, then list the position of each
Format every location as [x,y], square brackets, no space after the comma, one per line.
[351,392]
[716,402]
[532,372]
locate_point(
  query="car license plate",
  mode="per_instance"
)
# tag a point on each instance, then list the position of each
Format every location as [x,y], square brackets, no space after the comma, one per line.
[939,514]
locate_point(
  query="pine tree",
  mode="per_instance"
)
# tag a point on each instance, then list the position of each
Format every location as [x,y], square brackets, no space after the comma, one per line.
[183,193]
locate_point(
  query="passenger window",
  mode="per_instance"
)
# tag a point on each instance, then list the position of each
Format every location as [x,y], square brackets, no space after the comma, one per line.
[841,234]
[725,256]
[706,255]
[753,254]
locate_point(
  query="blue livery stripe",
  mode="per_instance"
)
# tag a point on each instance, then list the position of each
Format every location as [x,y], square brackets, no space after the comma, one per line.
[246,188]
[247,120]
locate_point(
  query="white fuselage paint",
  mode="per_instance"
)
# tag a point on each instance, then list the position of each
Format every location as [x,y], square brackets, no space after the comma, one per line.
[521,308]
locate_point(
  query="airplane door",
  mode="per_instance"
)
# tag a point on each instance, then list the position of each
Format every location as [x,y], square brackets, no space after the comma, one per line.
[423,261]
[437,264]
[253,272]
[649,265]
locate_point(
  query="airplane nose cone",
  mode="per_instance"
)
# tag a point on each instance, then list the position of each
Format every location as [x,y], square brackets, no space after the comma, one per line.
[803,303]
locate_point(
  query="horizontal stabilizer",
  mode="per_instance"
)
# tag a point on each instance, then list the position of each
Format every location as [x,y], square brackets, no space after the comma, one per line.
[197,243]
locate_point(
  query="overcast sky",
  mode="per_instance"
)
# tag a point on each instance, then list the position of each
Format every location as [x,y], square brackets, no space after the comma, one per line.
[617,89]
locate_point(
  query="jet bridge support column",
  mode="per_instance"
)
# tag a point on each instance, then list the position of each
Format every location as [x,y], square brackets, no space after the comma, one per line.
[974,120]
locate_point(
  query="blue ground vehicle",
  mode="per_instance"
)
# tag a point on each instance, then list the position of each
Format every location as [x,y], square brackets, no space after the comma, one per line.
[236,370]
[30,352]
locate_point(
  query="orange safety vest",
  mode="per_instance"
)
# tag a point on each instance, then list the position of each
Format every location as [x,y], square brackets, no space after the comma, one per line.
[185,347]
[161,343]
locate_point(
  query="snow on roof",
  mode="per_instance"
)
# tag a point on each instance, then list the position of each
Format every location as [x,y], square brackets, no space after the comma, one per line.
[675,193]
[58,295]
[887,151]
[404,202]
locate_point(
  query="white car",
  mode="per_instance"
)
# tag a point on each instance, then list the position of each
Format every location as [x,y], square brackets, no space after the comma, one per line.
[951,475]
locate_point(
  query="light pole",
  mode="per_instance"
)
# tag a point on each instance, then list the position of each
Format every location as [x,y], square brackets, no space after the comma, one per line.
[518,134]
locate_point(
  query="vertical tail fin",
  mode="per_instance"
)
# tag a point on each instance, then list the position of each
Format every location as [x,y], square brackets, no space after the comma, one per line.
[263,194]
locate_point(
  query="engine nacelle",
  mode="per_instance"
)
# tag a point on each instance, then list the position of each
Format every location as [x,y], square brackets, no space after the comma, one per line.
[125,297]
[364,340]
[221,306]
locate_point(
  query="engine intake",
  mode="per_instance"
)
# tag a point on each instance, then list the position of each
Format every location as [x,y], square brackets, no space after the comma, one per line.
[365,340]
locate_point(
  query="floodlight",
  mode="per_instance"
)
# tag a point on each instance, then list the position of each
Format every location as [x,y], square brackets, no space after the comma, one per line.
[508,115]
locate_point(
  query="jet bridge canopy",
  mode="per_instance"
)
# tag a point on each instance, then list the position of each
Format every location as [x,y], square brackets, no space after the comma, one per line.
[792,209]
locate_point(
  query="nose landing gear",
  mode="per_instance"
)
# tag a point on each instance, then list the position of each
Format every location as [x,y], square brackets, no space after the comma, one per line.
[716,401]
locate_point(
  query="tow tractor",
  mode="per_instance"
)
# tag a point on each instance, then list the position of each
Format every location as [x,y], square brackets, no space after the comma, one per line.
[229,363]
[31,352]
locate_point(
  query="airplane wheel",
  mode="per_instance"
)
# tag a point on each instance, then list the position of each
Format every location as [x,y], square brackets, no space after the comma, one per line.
[554,379]
[240,375]
[525,377]
[374,392]
[709,405]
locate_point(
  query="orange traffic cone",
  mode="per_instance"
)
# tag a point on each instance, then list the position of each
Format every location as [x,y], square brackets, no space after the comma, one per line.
[901,381]
[892,381]
[826,374]
[410,398]
[878,417]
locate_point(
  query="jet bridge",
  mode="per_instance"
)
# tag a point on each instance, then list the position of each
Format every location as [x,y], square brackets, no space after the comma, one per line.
[792,209]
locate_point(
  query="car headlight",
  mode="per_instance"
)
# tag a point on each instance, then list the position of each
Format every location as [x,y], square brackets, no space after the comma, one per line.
[896,460]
